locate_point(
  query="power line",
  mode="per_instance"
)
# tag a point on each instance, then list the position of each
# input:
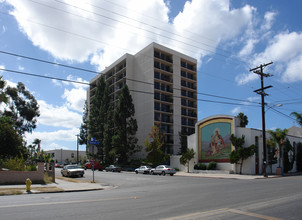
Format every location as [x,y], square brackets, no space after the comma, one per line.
[72,67]
[48,62]
[88,84]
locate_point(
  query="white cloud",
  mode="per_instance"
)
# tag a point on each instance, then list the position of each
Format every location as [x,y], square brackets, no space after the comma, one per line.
[58,116]
[75,98]
[269,19]
[49,138]
[236,110]
[103,40]
[285,49]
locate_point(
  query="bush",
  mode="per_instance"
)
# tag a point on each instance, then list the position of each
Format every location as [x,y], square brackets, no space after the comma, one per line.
[17,164]
[200,166]
[31,167]
[212,165]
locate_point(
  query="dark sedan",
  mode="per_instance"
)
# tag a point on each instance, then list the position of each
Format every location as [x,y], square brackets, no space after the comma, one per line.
[113,168]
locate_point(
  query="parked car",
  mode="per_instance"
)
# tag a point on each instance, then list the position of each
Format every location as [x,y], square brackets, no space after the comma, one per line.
[97,165]
[58,165]
[163,170]
[113,168]
[143,169]
[72,170]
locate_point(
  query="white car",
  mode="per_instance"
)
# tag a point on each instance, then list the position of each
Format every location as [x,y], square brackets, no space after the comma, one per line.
[72,170]
[163,170]
[143,169]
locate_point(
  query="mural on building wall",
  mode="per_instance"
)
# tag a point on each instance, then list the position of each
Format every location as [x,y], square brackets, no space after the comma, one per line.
[214,141]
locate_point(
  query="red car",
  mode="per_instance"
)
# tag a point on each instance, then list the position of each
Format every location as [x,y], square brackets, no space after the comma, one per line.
[97,165]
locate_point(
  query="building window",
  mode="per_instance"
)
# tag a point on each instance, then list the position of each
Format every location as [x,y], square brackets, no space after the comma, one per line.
[156,75]
[72,155]
[156,106]
[156,85]
[156,96]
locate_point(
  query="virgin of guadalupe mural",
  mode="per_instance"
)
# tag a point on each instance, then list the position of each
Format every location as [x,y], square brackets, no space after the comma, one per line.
[215,142]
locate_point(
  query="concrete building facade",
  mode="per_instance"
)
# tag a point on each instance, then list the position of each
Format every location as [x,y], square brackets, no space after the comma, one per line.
[211,142]
[66,156]
[163,86]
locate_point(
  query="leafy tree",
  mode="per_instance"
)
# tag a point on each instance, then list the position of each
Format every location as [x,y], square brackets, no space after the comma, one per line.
[10,141]
[155,147]
[124,140]
[109,151]
[83,139]
[183,142]
[3,96]
[271,153]
[298,117]
[277,137]
[23,108]
[98,111]
[240,153]
[289,155]
[187,157]
[299,156]
[243,119]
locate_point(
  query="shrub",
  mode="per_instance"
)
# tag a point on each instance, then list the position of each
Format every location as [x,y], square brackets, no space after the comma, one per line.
[212,165]
[16,163]
[200,166]
[31,167]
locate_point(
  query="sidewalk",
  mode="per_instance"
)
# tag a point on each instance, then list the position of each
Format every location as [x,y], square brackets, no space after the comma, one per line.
[61,185]
[223,175]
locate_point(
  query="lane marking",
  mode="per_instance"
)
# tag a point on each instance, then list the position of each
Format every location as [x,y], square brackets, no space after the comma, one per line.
[67,202]
[200,215]
[197,214]
[253,214]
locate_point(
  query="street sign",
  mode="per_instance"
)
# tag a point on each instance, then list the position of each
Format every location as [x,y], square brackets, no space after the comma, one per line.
[94,142]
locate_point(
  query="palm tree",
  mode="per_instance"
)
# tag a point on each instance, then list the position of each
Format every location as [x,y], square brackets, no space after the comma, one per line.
[298,117]
[243,119]
[278,136]
[37,142]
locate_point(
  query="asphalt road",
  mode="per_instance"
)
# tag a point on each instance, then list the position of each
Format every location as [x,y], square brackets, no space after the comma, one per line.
[164,197]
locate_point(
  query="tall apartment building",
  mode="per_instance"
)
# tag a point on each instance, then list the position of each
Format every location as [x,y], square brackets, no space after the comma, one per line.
[163,86]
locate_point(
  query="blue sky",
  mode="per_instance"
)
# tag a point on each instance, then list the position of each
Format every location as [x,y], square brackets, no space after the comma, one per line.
[228,38]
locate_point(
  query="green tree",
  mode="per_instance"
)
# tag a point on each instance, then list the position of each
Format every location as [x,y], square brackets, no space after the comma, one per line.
[125,125]
[298,117]
[83,138]
[98,112]
[155,147]
[10,141]
[278,137]
[240,153]
[187,157]
[23,108]
[3,96]
[109,151]
[37,143]
[243,119]
[289,156]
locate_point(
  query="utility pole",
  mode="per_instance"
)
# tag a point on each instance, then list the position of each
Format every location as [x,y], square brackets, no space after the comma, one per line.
[259,70]
[77,148]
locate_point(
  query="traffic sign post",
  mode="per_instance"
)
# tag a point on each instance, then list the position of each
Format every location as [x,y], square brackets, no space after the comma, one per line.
[93,142]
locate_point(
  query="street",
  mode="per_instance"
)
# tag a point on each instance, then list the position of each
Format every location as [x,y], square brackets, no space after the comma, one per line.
[138,196]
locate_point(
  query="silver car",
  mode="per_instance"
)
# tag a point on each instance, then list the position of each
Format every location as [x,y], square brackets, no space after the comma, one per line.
[163,170]
[143,170]
[72,170]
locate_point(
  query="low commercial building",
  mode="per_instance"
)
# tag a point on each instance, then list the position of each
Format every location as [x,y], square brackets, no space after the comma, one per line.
[66,156]
[211,142]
